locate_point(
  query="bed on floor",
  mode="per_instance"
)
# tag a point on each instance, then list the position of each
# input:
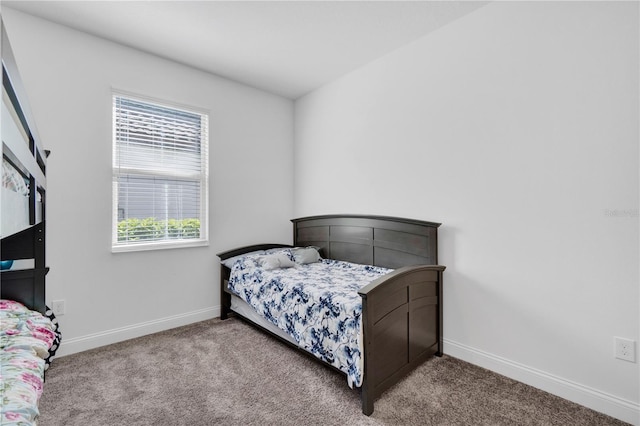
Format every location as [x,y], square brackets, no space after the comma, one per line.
[28,335]
[363,294]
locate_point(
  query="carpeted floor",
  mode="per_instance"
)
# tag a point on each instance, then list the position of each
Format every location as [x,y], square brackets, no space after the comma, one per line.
[226,372]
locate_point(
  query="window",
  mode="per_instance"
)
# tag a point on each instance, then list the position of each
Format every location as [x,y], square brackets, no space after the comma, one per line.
[160,175]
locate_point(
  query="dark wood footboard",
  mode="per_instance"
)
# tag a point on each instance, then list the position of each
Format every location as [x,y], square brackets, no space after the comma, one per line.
[402,326]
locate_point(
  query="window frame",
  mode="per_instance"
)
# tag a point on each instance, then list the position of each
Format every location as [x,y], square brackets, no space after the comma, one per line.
[203,240]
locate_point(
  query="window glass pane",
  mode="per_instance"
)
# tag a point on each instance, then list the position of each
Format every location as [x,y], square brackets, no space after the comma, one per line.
[160,177]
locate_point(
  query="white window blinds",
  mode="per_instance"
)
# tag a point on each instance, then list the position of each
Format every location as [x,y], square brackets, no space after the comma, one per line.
[160,175]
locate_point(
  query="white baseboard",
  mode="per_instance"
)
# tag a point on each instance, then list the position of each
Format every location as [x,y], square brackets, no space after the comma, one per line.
[611,405]
[91,341]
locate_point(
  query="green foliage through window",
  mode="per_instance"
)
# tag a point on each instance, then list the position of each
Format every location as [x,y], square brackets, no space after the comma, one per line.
[151,229]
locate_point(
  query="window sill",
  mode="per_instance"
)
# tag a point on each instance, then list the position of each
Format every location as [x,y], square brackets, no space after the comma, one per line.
[158,245]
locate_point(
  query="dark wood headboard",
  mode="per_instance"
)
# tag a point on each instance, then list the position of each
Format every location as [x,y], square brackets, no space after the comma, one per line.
[390,242]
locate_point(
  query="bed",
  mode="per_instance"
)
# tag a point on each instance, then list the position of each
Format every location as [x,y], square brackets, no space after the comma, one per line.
[26,337]
[388,311]
[29,335]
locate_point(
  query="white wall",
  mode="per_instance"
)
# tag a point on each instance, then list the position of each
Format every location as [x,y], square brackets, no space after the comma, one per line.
[517,127]
[69,78]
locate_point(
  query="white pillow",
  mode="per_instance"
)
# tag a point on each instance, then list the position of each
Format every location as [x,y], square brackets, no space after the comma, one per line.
[306,255]
[276,261]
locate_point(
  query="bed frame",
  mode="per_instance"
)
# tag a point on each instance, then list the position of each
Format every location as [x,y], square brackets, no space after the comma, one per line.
[401,311]
[21,147]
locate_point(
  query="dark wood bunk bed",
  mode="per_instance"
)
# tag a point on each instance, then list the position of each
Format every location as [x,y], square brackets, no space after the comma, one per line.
[23,238]
[401,311]
[30,333]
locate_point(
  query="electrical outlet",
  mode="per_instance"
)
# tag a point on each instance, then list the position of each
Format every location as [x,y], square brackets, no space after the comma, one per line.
[625,349]
[57,306]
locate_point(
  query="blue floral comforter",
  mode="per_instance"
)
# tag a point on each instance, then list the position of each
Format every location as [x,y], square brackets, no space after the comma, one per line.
[317,304]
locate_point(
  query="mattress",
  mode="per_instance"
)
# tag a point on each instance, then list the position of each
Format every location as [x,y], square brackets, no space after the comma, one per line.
[243,308]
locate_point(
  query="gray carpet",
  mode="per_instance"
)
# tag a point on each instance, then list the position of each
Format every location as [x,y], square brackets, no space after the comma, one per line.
[227,372]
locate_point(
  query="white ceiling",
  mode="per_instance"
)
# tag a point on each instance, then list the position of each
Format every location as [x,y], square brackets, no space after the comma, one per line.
[285,47]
